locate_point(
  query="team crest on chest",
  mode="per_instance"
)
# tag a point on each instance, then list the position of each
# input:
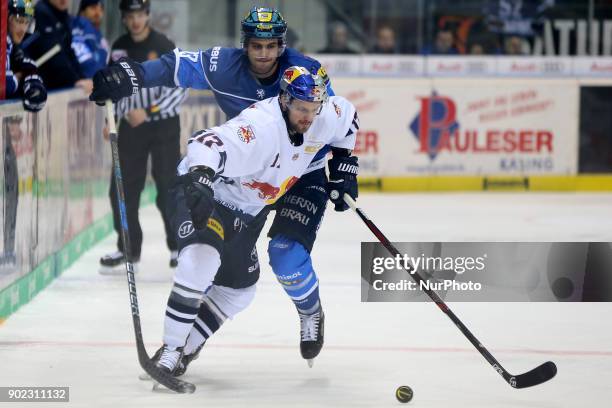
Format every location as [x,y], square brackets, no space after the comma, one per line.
[295,157]
[337,109]
[246,134]
[261,93]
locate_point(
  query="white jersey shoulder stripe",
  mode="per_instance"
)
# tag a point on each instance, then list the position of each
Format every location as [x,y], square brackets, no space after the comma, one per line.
[176,66]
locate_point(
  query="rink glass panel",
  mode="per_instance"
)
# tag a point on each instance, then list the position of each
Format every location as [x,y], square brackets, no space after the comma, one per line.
[564,27]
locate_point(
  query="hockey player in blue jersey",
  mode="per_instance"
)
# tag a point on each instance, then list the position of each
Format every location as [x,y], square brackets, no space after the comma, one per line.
[239,77]
[22,78]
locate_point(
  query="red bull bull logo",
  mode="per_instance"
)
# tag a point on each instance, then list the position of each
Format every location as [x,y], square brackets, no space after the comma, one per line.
[289,75]
[292,73]
[266,191]
[270,193]
[246,134]
[337,109]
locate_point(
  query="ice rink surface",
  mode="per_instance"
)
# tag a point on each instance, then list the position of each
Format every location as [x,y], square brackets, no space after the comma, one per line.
[78,332]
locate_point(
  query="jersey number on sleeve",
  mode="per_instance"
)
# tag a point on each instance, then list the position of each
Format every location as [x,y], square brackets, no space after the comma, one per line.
[190,55]
[209,139]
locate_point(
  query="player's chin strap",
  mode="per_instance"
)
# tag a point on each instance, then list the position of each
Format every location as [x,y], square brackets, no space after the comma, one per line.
[538,375]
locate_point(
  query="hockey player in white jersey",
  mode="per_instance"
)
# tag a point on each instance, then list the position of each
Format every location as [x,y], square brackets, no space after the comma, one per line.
[230,176]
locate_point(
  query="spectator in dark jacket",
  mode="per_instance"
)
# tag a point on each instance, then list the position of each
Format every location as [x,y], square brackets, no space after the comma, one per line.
[53,26]
[338,40]
[385,41]
[444,44]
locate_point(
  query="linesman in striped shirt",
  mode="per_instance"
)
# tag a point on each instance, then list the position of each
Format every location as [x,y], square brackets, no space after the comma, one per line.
[148,126]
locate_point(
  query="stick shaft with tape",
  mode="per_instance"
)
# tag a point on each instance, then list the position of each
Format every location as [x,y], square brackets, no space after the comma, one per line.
[162,377]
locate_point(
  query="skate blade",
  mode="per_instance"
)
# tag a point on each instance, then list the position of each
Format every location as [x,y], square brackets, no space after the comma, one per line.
[144,377]
[114,270]
[310,362]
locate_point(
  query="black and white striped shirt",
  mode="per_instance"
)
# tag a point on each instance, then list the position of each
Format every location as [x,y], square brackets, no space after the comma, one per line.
[159,102]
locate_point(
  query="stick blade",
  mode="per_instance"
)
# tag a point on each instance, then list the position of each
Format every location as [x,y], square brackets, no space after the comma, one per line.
[167,380]
[538,375]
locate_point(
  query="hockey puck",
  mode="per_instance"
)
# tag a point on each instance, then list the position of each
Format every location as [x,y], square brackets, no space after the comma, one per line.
[404,394]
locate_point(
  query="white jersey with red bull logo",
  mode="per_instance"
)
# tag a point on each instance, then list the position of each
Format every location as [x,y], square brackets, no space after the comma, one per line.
[252,154]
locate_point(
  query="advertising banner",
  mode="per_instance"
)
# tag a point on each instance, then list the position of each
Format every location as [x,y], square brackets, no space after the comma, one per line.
[461,66]
[54,162]
[593,67]
[393,65]
[54,186]
[500,66]
[465,127]
[535,66]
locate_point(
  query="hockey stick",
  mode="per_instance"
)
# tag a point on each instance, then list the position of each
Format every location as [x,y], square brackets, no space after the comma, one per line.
[143,358]
[48,55]
[538,375]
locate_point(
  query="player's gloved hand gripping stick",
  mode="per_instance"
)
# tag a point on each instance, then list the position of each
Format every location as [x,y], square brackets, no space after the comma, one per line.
[538,375]
[145,362]
[199,194]
[343,169]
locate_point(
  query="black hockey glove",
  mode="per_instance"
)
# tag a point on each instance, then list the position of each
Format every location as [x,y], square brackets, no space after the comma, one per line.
[343,171]
[199,194]
[34,93]
[119,80]
[21,63]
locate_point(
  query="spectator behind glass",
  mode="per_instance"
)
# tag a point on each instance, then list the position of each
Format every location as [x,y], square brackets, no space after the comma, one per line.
[92,10]
[476,49]
[90,48]
[338,40]
[444,45]
[53,26]
[385,41]
[514,45]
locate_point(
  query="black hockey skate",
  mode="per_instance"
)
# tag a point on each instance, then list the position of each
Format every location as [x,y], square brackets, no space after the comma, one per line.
[112,264]
[186,360]
[180,368]
[167,360]
[311,334]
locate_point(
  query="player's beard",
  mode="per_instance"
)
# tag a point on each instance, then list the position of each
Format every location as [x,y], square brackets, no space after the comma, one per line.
[301,126]
[263,69]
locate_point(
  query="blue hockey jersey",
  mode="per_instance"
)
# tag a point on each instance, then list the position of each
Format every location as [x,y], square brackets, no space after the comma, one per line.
[11,84]
[90,48]
[225,71]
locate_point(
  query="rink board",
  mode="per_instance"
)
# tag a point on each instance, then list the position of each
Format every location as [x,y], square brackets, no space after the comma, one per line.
[584,183]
